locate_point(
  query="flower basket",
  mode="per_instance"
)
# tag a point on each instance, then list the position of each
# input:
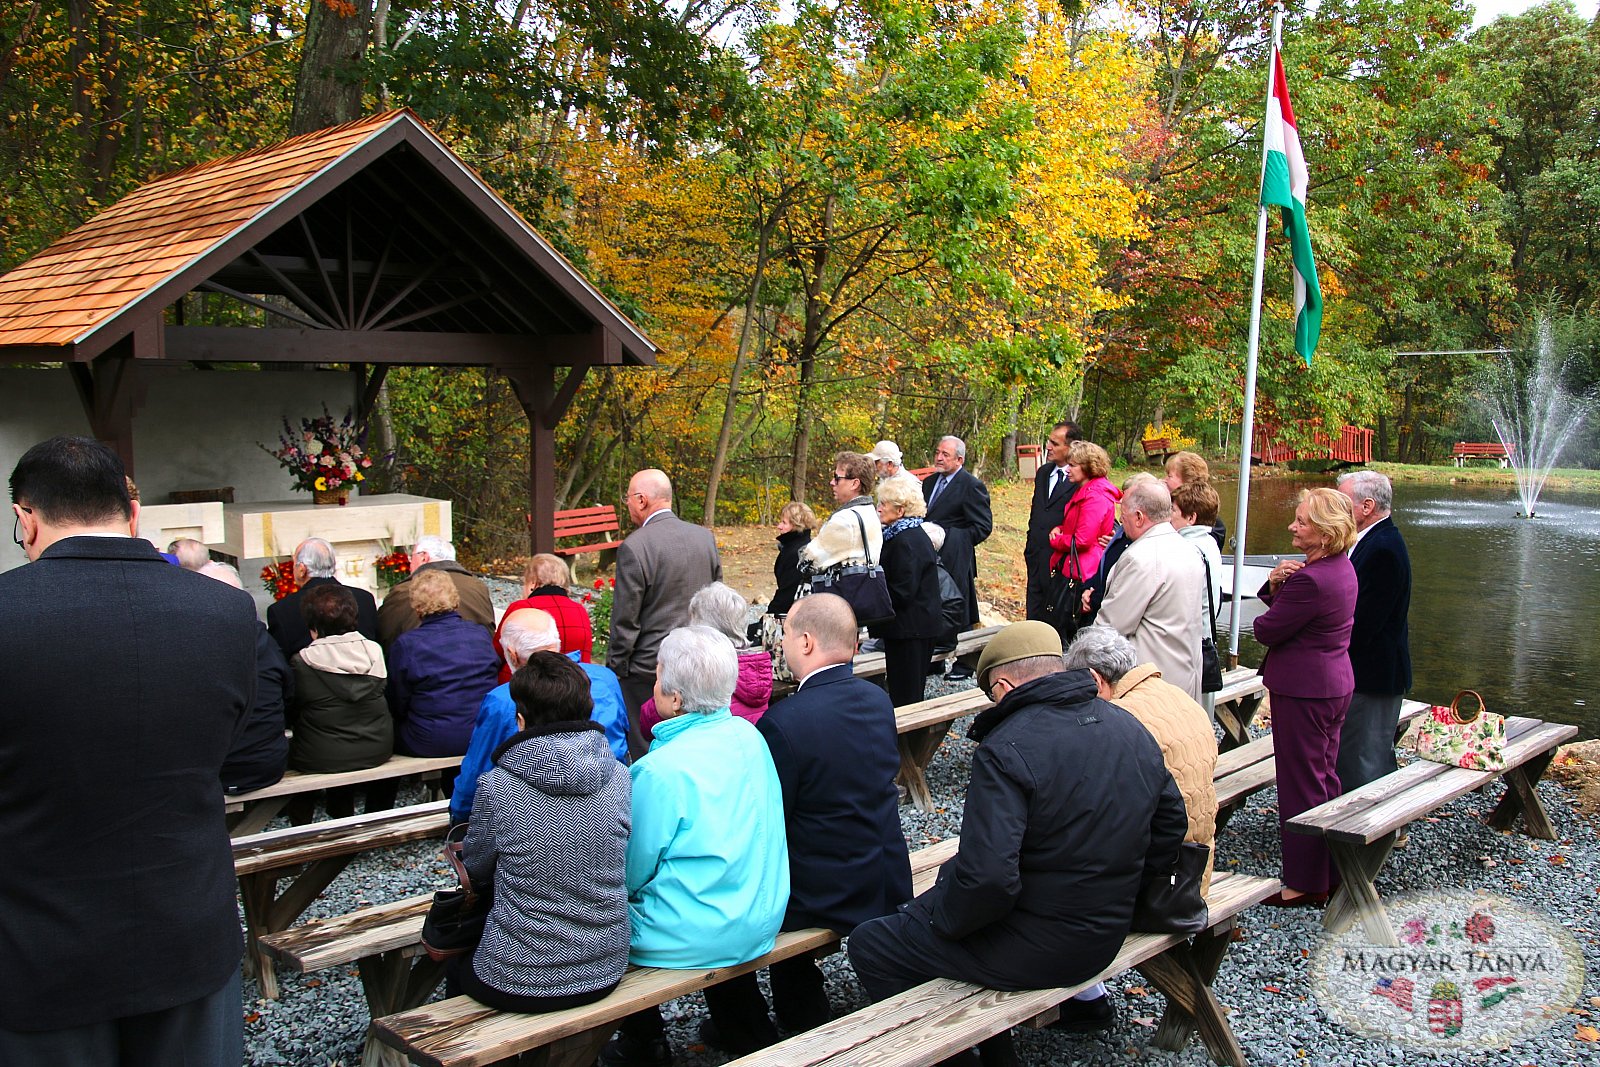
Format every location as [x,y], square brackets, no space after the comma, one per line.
[324,457]
[340,497]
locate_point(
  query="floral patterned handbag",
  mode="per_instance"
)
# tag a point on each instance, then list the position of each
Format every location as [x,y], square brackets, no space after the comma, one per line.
[1476,741]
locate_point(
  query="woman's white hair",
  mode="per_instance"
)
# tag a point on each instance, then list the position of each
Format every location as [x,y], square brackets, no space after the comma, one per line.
[1102,650]
[722,609]
[699,665]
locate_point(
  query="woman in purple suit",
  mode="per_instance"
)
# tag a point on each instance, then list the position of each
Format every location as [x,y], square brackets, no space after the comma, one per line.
[1307,670]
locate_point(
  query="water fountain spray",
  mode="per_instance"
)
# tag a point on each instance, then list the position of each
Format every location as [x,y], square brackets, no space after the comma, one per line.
[1533,412]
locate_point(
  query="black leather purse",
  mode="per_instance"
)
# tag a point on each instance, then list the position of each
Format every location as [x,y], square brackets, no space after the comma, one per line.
[1170,902]
[457,916]
[1063,600]
[865,586]
[1210,662]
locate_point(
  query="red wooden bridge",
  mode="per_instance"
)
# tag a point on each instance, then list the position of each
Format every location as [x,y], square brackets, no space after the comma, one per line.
[1352,444]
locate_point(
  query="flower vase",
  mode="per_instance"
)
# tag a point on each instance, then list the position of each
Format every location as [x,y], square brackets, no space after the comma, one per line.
[339,496]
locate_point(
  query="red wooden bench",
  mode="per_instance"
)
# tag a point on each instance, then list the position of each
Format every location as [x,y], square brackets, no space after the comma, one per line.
[1465,450]
[922,473]
[1159,447]
[582,522]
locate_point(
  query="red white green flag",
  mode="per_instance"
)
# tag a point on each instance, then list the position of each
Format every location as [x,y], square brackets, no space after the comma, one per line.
[1283,182]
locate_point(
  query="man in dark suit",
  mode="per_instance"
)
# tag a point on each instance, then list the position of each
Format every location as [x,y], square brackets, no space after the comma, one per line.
[123,681]
[959,503]
[314,564]
[834,745]
[396,615]
[660,565]
[1051,491]
[1380,648]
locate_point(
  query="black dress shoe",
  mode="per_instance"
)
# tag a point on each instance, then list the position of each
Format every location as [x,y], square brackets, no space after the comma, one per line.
[1086,1016]
[959,673]
[711,1037]
[624,1051]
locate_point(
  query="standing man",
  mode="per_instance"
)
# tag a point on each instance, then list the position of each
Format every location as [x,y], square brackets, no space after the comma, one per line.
[959,503]
[660,565]
[123,681]
[1380,646]
[1051,491]
[396,616]
[1153,596]
[314,565]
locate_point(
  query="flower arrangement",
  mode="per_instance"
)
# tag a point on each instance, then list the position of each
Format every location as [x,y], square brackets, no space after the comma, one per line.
[393,568]
[598,602]
[279,579]
[325,455]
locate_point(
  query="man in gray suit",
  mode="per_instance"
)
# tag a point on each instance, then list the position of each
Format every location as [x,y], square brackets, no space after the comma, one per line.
[660,565]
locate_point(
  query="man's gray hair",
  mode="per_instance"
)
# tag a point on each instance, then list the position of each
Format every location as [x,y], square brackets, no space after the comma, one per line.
[1022,671]
[959,445]
[722,609]
[1150,498]
[1102,650]
[226,573]
[437,547]
[699,665]
[191,554]
[316,556]
[1369,485]
[525,640]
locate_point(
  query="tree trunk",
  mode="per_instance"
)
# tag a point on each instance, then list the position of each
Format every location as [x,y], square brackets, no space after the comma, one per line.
[810,342]
[1008,443]
[329,86]
[719,457]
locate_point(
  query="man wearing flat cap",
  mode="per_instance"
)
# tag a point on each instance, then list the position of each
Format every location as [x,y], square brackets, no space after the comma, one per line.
[885,455]
[1069,809]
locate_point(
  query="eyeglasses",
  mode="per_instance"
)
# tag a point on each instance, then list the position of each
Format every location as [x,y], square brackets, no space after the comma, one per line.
[996,684]
[16,525]
[837,478]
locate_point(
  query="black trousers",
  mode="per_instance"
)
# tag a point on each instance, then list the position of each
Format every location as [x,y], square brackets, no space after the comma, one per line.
[905,668]
[636,690]
[208,1032]
[799,999]
[1038,588]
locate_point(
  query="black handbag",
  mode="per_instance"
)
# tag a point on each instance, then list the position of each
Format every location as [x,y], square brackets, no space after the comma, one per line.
[1063,605]
[952,601]
[864,585]
[456,917]
[1170,902]
[1210,663]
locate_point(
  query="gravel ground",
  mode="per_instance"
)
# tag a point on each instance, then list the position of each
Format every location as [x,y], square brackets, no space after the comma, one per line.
[1264,983]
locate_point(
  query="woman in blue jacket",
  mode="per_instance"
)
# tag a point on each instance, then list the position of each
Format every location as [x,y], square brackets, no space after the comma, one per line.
[439,672]
[707,862]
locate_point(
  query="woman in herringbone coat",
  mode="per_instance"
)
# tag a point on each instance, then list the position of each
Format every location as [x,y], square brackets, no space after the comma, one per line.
[550,827]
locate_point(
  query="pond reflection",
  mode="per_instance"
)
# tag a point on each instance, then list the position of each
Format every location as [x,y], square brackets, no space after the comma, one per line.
[1500,604]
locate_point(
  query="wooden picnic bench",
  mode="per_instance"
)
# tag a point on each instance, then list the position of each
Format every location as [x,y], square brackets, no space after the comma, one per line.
[385,943]
[1465,450]
[318,853]
[249,813]
[1361,826]
[583,522]
[969,646]
[1158,447]
[938,1019]
[1236,705]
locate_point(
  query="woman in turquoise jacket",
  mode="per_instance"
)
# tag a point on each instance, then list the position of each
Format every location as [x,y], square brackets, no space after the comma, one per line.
[707,861]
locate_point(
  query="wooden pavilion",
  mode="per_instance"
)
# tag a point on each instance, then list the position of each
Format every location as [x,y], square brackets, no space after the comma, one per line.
[369,244]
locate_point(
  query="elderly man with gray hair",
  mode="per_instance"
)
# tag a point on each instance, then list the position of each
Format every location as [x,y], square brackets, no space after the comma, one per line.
[431,553]
[886,456]
[524,632]
[314,565]
[191,554]
[1380,645]
[1153,595]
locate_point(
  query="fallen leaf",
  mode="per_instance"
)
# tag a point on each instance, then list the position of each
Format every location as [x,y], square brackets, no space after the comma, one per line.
[253,1017]
[1585,1032]
[1594,1002]
[1272,989]
[1145,1020]
[1137,991]
[1558,859]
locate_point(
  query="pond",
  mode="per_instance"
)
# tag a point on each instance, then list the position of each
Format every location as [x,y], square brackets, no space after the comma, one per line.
[1499,604]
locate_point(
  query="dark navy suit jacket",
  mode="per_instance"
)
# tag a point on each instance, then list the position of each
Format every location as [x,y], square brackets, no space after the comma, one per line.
[835,746]
[1380,645]
[1307,630]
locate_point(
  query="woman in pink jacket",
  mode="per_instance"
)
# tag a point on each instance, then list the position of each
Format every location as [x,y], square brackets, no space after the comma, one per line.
[725,611]
[1089,515]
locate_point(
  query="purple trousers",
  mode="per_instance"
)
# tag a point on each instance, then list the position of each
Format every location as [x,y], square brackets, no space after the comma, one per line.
[1305,749]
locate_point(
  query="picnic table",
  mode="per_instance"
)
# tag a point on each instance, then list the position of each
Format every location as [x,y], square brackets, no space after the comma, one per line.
[249,813]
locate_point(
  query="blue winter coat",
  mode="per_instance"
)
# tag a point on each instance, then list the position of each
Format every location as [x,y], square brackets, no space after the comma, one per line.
[438,675]
[708,863]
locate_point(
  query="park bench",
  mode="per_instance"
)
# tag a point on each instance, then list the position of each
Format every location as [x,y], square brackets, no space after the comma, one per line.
[1158,448]
[1236,704]
[922,473]
[583,522]
[249,813]
[385,943]
[317,853]
[1360,826]
[969,646]
[938,1019]
[1465,450]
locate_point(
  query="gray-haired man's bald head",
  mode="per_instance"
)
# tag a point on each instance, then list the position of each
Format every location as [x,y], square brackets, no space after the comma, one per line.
[830,620]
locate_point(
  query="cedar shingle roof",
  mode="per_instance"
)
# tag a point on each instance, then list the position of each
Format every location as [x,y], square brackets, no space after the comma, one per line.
[172,235]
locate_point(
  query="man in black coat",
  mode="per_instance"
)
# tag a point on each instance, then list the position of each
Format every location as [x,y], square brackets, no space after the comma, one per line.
[1070,808]
[123,681]
[959,503]
[314,564]
[835,747]
[1380,648]
[1051,491]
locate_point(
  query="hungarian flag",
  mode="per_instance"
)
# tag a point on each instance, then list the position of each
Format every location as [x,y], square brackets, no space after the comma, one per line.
[1283,182]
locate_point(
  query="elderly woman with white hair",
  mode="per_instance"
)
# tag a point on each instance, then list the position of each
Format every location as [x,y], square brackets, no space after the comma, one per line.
[725,611]
[708,859]
[1180,726]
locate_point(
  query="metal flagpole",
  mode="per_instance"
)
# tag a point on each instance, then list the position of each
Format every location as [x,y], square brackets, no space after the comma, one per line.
[1247,430]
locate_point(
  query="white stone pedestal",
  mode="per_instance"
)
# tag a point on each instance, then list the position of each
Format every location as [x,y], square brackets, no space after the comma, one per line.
[162,524]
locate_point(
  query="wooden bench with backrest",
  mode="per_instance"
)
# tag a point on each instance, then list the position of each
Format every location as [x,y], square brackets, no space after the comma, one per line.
[1158,448]
[1465,450]
[316,854]
[385,943]
[938,1019]
[1361,826]
[585,522]
[249,813]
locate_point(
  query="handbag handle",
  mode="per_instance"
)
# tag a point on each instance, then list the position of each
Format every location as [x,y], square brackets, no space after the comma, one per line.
[865,550]
[1211,605]
[1455,711]
[453,847]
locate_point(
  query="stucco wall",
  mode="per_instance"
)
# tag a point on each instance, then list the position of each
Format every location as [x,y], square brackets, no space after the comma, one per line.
[195,430]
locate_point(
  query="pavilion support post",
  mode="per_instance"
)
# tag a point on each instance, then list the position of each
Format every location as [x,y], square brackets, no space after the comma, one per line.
[110,391]
[544,404]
